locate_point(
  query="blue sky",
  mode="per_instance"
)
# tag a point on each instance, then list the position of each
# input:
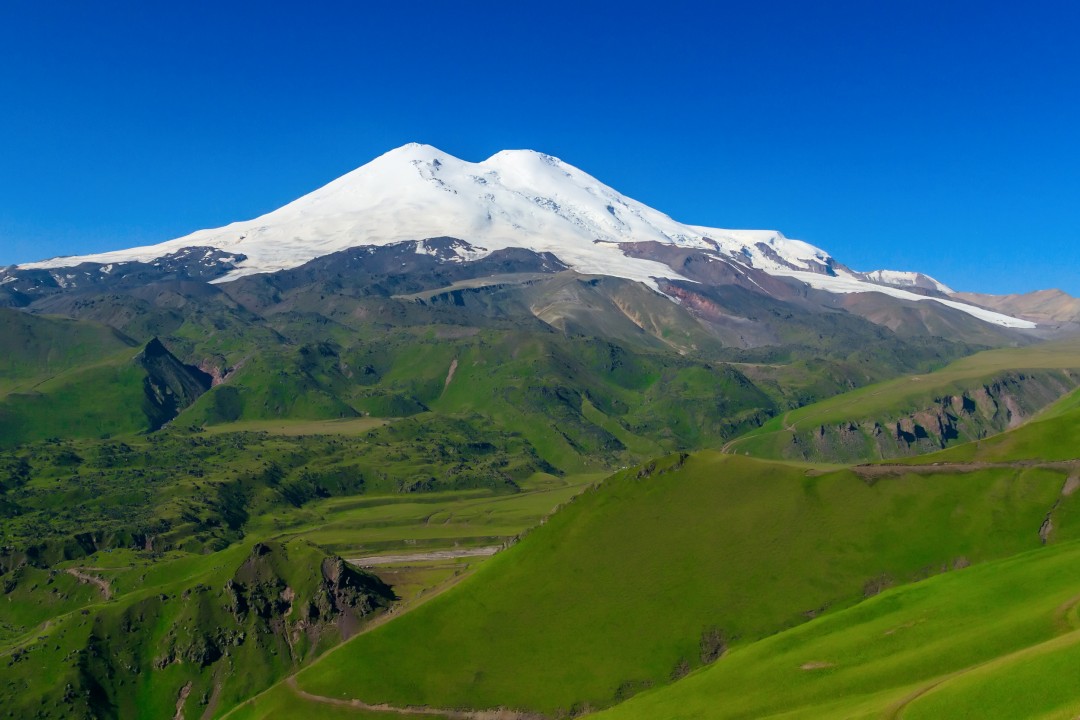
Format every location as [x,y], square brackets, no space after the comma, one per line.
[941,137]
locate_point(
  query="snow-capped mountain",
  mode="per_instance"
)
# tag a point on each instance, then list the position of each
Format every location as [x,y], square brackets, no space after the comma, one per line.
[516,198]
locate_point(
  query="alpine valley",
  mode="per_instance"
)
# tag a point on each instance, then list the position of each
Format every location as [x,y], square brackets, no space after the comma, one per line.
[493,440]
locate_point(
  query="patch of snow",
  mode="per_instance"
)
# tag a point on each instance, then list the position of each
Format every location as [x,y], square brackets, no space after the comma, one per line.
[423,249]
[908,279]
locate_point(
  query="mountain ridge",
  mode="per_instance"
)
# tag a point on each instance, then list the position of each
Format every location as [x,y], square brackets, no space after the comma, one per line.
[515,198]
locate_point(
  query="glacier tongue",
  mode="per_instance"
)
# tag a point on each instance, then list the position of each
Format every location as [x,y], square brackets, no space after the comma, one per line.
[515,198]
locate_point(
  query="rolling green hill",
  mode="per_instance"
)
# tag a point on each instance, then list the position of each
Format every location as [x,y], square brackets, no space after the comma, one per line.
[581,402]
[34,348]
[185,467]
[659,568]
[124,392]
[131,569]
[999,640]
[971,398]
[653,574]
[195,633]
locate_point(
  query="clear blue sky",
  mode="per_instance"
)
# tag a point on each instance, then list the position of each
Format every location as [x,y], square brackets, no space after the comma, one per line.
[938,136]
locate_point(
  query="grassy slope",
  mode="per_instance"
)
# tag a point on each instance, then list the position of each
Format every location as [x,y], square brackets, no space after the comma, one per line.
[614,592]
[89,401]
[52,623]
[583,404]
[896,398]
[65,377]
[164,606]
[972,643]
[874,660]
[37,347]
[176,623]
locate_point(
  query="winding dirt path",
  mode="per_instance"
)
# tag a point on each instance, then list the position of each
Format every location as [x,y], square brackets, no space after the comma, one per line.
[373,560]
[879,470]
[497,714]
[102,583]
[786,427]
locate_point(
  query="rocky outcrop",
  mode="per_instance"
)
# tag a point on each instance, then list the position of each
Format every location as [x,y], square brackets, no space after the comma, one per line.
[169,385]
[284,604]
[21,287]
[972,414]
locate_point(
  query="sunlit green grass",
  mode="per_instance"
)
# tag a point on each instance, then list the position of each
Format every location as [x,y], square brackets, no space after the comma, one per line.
[439,520]
[989,641]
[613,593]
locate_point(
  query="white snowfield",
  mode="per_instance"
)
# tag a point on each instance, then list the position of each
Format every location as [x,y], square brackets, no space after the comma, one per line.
[515,198]
[847,285]
[908,279]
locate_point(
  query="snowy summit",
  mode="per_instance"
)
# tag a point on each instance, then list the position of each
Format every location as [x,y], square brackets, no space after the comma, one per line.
[515,198]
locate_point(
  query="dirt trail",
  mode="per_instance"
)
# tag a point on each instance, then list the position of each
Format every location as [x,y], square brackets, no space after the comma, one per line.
[896,711]
[783,422]
[1064,617]
[450,374]
[181,699]
[102,583]
[498,714]
[929,468]
[433,555]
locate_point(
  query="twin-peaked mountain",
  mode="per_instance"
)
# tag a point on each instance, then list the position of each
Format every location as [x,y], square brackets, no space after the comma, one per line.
[519,286]
[514,199]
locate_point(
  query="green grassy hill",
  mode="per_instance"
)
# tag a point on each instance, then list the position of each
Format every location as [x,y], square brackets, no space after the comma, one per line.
[651,574]
[189,634]
[999,640]
[133,568]
[91,401]
[34,348]
[582,403]
[188,562]
[969,399]
[124,392]
[65,377]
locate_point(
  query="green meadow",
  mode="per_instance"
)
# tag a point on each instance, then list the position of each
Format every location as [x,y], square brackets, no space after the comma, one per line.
[637,581]
[997,640]
[200,570]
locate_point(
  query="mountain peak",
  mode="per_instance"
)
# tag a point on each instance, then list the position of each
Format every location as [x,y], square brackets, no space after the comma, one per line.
[409,153]
[523,156]
[414,149]
[513,199]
